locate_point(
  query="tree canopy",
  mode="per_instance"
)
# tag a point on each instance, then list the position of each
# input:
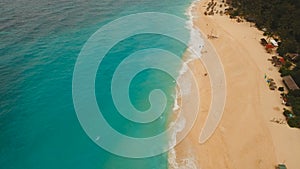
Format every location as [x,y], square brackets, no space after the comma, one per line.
[276,17]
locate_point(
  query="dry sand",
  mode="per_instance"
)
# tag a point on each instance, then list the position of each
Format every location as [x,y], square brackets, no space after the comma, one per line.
[245,137]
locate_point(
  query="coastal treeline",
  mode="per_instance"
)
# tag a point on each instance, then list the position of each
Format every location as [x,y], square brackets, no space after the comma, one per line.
[278,19]
[275,17]
[293,118]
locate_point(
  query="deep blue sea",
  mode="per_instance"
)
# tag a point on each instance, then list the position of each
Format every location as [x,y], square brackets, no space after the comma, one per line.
[39,43]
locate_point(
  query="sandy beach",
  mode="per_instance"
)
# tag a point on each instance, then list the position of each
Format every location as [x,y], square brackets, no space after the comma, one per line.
[245,137]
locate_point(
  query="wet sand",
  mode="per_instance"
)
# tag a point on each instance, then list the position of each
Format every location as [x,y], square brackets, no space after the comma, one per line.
[245,137]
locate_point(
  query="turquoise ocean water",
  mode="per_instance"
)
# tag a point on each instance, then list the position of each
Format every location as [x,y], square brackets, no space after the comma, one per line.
[39,45]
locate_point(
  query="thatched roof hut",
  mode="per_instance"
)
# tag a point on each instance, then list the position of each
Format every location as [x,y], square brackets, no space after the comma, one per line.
[290,83]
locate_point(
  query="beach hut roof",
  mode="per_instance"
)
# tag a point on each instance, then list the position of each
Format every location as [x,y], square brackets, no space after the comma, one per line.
[274,43]
[290,83]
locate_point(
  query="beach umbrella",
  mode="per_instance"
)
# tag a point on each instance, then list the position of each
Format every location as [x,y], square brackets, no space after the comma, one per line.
[269,46]
[282,60]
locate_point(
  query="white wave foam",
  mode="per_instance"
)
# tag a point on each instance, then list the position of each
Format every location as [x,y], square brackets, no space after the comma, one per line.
[184,69]
[172,153]
[176,106]
[195,47]
[187,162]
[196,44]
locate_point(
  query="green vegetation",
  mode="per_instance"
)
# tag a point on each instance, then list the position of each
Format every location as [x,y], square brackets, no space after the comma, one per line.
[286,68]
[295,73]
[294,100]
[294,122]
[293,118]
[279,19]
[284,71]
[287,113]
[275,17]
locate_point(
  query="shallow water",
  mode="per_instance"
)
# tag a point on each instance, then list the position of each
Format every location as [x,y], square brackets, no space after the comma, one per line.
[40,42]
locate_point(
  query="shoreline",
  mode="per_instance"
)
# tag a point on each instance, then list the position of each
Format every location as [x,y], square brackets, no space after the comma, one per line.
[191,56]
[245,137]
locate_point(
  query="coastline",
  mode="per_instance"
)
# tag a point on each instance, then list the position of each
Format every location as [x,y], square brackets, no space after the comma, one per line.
[190,57]
[245,137]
